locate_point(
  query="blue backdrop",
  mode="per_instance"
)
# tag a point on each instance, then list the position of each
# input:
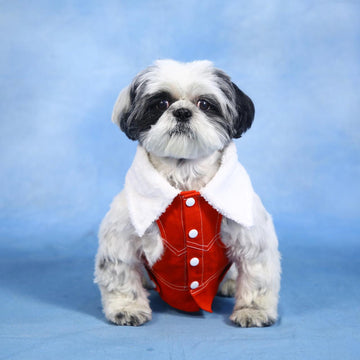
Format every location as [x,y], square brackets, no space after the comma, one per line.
[62,64]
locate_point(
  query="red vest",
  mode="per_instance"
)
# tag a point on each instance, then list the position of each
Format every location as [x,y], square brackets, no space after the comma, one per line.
[194,262]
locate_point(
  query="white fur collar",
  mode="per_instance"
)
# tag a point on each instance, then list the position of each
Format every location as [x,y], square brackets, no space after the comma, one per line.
[148,193]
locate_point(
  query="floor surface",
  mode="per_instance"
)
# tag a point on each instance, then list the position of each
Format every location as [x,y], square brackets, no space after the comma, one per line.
[50,309]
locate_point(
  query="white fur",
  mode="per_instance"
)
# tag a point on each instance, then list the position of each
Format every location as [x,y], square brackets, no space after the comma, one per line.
[186,82]
[152,183]
[204,139]
[126,235]
[253,250]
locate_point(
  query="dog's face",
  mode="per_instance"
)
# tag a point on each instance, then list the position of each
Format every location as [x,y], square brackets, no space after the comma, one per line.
[183,110]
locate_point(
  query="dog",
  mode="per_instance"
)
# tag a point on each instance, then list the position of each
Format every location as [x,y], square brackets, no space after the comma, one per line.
[188,218]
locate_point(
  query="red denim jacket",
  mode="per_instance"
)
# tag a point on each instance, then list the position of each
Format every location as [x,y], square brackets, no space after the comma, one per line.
[194,261]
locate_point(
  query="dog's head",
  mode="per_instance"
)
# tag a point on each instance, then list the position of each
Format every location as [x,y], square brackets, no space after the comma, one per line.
[183,110]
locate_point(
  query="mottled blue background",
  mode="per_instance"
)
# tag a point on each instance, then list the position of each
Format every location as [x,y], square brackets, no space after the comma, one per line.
[62,64]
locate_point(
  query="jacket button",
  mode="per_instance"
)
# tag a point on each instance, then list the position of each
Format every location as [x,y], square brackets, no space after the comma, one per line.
[194,261]
[194,285]
[193,233]
[190,202]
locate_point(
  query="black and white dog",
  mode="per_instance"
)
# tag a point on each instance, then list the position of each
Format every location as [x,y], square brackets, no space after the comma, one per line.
[184,117]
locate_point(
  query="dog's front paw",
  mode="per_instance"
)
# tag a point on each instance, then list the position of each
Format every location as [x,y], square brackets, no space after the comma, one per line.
[132,314]
[136,318]
[249,317]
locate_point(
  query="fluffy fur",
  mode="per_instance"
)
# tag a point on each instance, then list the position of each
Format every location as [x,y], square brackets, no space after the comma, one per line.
[184,115]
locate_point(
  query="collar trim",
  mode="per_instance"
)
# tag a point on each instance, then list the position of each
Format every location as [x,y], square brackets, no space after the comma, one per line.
[148,193]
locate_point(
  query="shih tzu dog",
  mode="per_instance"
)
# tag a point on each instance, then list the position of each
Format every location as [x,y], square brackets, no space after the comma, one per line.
[188,217]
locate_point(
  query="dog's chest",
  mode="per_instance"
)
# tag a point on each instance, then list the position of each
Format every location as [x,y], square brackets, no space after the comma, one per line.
[187,174]
[194,259]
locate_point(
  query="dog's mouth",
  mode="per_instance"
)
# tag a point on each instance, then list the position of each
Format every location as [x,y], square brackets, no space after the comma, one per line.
[181,129]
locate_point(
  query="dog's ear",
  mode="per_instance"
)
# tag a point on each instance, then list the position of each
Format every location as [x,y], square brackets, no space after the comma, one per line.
[122,106]
[245,112]
[122,110]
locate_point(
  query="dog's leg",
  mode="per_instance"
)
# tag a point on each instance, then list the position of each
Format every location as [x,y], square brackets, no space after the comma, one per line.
[123,297]
[256,295]
[118,269]
[227,286]
[255,254]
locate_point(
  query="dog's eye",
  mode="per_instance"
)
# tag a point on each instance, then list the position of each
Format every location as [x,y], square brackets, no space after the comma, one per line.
[163,105]
[203,105]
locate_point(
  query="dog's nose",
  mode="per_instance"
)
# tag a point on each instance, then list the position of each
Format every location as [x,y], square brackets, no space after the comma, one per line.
[182,114]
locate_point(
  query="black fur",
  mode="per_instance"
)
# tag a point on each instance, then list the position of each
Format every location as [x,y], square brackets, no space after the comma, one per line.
[143,112]
[124,122]
[130,320]
[245,110]
[215,108]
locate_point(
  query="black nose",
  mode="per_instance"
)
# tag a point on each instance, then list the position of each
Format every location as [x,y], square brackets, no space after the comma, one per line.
[182,114]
